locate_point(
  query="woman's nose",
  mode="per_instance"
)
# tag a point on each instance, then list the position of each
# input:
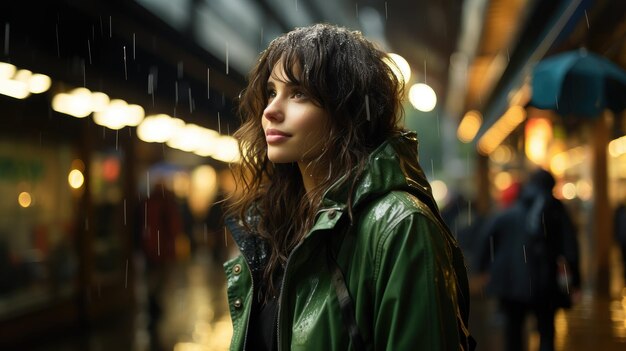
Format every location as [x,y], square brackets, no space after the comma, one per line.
[274,111]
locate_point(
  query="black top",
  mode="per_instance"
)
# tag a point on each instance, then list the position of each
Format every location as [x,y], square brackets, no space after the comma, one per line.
[263,326]
[263,316]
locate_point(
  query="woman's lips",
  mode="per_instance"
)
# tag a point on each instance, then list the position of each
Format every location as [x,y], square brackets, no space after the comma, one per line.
[275,136]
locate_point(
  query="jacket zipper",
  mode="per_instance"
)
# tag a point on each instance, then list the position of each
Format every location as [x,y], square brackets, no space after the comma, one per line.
[282,284]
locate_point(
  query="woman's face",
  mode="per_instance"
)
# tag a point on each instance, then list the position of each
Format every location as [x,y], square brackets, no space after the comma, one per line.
[295,127]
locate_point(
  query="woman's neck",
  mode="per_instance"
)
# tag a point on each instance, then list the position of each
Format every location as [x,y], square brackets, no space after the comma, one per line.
[309,178]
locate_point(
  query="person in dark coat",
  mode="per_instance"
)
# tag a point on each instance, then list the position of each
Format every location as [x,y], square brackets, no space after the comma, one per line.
[529,253]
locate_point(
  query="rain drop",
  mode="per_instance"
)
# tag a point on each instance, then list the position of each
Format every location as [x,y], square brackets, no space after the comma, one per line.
[56,28]
[89,51]
[7,27]
[125,70]
[386,12]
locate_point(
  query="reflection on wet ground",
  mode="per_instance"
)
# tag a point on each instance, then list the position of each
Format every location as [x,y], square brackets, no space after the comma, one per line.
[194,316]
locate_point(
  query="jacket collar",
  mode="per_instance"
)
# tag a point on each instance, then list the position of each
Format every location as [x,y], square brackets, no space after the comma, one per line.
[392,166]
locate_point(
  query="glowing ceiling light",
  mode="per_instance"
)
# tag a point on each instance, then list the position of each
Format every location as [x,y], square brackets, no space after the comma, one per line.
[118,114]
[440,190]
[134,115]
[227,150]
[99,101]
[399,66]
[76,103]
[422,97]
[158,128]
[496,134]
[208,144]
[469,126]
[13,88]
[187,138]
[76,179]
[24,199]
[39,83]
[7,70]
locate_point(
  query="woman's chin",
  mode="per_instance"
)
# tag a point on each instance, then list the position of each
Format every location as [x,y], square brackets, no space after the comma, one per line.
[279,158]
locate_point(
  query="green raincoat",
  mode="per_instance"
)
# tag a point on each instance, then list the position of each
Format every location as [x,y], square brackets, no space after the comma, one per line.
[402,267]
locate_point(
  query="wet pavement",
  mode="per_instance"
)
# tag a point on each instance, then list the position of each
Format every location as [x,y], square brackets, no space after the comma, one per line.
[194,316]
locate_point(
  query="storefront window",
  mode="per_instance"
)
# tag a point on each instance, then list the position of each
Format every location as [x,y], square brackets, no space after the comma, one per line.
[110,214]
[38,257]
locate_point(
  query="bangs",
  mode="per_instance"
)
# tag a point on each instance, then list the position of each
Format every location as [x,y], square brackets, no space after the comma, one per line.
[298,61]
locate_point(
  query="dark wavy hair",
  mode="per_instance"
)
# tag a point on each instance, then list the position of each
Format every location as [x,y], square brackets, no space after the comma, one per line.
[347,76]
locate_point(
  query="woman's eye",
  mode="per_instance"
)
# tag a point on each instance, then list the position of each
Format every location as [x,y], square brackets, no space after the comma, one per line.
[299,95]
[271,93]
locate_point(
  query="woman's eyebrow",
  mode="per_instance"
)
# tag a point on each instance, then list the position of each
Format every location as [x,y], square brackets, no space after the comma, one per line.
[289,84]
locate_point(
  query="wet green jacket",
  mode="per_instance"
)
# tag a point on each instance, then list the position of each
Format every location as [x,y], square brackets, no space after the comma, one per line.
[403,269]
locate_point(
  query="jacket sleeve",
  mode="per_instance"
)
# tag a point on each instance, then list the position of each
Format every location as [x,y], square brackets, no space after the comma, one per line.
[415,287]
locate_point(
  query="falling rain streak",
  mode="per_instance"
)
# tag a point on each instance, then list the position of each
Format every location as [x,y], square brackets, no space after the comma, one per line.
[56,29]
[261,42]
[367,106]
[124,212]
[7,27]
[438,126]
[148,183]
[432,167]
[176,93]
[190,103]
[524,248]
[125,70]
[89,51]
[219,123]
[386,12]
[227,57]
[133,46]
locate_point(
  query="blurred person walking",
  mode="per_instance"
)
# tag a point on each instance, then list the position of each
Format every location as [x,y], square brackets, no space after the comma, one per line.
[162,228]
[529,257]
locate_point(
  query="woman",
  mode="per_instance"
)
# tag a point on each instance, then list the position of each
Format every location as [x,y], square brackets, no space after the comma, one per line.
[342,243]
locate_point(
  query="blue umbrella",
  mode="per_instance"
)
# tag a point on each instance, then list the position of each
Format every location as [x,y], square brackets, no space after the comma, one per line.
[578,83]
